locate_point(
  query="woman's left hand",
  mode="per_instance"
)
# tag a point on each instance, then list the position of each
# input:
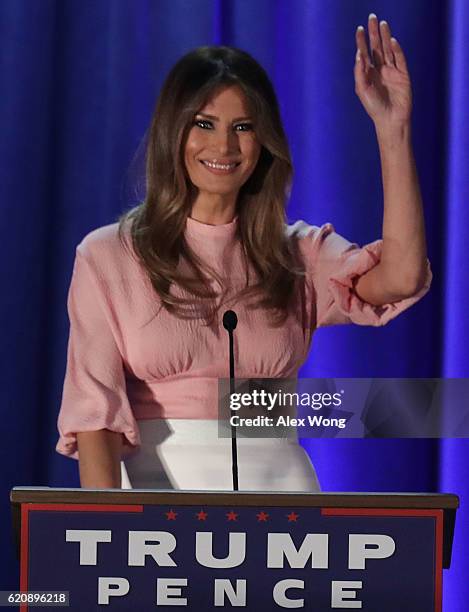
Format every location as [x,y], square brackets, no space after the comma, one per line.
[383,84]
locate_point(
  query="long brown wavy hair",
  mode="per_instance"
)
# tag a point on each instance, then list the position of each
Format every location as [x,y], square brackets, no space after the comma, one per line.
[157,225]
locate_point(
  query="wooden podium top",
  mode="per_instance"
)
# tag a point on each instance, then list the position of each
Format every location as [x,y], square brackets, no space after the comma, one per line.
[444,501]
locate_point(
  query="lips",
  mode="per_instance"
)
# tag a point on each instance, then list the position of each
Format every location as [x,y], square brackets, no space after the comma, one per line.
[220,164]
[220,167]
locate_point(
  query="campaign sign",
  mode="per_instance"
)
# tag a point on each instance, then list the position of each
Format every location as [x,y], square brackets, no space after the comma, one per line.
[146,557]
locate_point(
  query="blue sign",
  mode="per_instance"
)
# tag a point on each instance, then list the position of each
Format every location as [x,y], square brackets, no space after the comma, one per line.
[258,558]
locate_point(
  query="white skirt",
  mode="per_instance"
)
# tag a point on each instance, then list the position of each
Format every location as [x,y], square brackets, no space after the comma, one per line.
[187,454]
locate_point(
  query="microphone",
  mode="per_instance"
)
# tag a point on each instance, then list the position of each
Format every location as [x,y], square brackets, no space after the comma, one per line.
[230,321]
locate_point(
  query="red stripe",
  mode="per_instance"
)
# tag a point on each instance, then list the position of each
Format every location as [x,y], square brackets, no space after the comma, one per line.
[436,514]
[87,507]
[439,562]
[24,550]
[378,512]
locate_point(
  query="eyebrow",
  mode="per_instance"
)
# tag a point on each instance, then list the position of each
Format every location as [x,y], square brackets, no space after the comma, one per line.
[217,119]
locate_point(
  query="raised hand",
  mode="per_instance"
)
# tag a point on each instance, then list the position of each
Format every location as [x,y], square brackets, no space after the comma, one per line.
[382,82]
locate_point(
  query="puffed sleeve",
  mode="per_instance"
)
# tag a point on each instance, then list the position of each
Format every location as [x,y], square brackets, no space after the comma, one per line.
[94,393]
[336,264]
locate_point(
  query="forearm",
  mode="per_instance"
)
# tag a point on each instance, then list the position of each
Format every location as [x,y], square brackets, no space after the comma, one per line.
[401,271]
[99,456]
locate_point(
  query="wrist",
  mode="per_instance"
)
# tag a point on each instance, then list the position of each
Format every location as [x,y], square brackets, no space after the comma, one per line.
[393,132]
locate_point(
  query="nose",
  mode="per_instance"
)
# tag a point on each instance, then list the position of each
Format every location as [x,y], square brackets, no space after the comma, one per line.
[226,141]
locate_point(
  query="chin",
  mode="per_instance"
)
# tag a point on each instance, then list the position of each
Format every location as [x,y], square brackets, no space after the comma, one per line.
[218,190]
[224,194]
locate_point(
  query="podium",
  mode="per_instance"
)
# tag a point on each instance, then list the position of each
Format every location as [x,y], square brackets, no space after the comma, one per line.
[160,550]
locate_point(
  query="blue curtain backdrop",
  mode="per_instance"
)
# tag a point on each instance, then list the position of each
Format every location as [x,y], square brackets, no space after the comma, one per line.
[78,82]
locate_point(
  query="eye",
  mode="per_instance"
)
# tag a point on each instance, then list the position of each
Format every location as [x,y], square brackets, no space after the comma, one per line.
[243,127]
[203,123]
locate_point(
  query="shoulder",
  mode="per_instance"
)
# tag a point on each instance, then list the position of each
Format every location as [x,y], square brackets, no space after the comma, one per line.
[319,244]
[105,243]
[311,237]
[108,251]
[102,241]
[301,230]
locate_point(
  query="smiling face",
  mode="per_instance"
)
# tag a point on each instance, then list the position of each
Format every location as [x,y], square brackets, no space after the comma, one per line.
[222,149]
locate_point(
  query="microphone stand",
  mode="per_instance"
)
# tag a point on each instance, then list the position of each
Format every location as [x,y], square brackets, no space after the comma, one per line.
[230,320]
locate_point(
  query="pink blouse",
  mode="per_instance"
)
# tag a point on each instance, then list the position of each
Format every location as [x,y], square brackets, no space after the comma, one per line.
[129,359]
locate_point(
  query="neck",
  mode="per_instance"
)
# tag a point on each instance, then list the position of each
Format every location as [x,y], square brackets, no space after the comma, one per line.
[214,208]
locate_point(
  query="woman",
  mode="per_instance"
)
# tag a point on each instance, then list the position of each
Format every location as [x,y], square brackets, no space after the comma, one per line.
[147,297]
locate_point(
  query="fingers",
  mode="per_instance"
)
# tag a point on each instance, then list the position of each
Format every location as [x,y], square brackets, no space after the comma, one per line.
[385,32]
[377,52]
[360,71]
[399,56]
[362,47]
[385,50]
